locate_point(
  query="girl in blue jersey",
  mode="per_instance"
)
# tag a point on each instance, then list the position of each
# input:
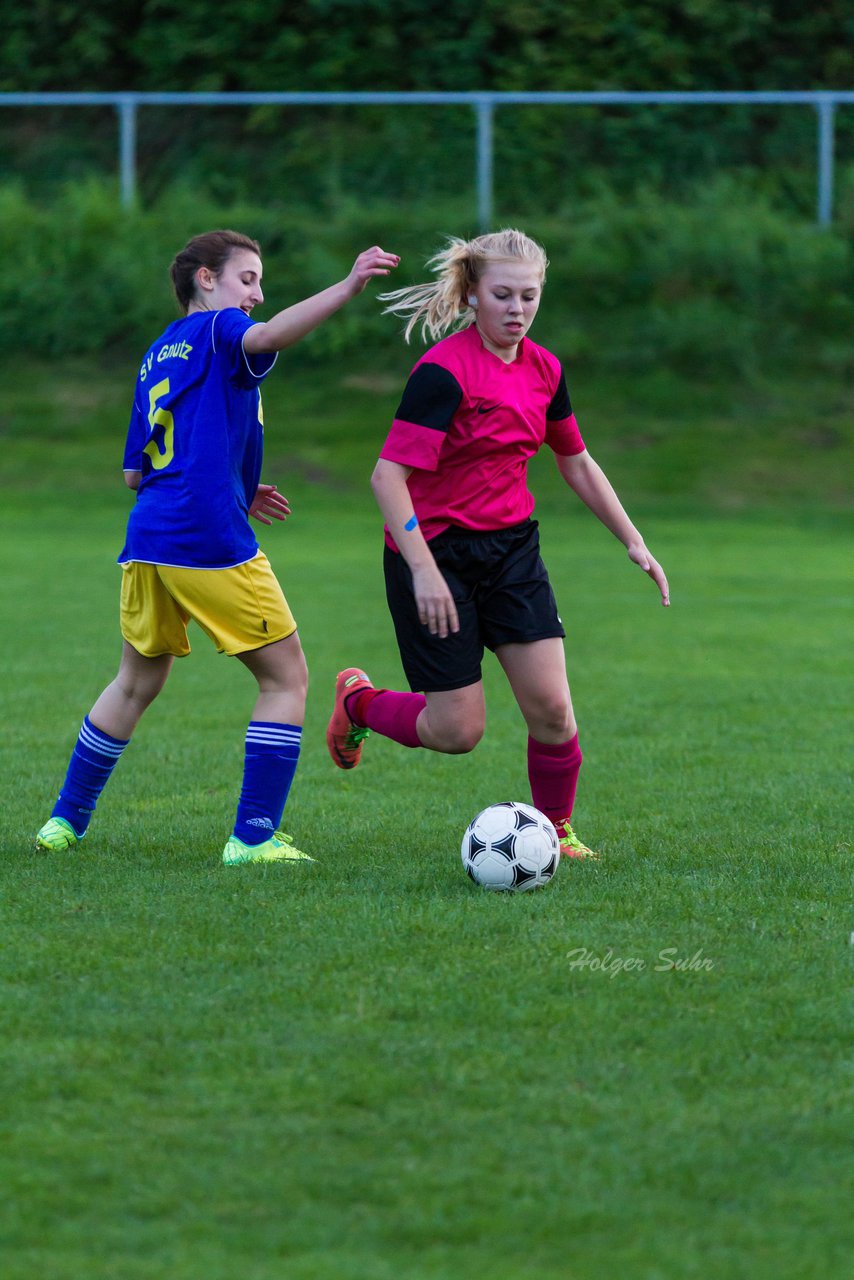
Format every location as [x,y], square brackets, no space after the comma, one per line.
[193,455]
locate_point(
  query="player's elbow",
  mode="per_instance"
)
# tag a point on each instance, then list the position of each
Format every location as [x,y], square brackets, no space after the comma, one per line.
[379,480]
[388,475]
[132,479]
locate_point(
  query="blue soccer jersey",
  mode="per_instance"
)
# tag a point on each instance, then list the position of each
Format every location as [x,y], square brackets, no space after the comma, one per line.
[196,435]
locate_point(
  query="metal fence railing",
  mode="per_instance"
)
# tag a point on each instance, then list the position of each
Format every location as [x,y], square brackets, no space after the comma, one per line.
[484,104]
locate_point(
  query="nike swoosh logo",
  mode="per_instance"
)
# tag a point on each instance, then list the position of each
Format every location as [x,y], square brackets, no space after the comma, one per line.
[489,408]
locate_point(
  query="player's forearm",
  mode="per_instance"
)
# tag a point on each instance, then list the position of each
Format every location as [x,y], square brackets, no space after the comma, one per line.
[587,479]
[388,483]
[292,324]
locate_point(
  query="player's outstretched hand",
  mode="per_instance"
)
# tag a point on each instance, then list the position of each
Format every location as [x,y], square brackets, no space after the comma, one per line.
[268,504]
[639,554]
[373,262]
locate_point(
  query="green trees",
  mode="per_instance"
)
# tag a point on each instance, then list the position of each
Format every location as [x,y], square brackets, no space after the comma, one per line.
[323,156]
[674,213]
[471,44]
[717,282]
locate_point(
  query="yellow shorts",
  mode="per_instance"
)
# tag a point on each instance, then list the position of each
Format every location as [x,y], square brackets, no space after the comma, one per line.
[240,609]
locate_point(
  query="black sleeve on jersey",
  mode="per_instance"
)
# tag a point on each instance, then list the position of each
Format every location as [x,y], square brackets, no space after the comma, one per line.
[560,406]
[431,397]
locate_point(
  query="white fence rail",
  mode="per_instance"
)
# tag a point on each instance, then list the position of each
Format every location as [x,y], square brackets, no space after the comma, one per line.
[824,102]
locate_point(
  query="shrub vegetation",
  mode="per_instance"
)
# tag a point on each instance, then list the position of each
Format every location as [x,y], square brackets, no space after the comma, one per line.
[719,282]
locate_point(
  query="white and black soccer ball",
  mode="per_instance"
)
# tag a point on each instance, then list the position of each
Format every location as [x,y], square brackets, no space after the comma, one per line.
[510,846]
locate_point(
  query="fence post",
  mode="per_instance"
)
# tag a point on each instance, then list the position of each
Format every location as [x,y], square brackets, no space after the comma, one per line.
[126,107]
[825,108]
[484,109]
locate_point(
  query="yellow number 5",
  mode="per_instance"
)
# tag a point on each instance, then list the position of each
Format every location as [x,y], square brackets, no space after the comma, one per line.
[157,417]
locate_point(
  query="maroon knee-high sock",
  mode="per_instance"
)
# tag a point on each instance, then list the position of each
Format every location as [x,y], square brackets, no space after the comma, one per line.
[553,775]
[389,713]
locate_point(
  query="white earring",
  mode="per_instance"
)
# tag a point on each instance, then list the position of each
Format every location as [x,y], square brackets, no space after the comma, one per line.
[472,300]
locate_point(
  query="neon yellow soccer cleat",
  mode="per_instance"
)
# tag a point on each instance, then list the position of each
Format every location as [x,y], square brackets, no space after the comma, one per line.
[571,846]
[57,835]
[279,848]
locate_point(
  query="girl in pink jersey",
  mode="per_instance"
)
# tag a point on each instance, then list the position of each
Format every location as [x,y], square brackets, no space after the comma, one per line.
[462,562]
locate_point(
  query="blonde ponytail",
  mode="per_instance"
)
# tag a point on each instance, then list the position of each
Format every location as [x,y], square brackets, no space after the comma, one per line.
[442,305]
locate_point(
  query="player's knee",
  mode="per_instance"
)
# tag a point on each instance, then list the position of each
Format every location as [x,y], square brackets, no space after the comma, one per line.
[297,677]
[140,678]
[140,690]
[554,720]
[300,694]
[460,739]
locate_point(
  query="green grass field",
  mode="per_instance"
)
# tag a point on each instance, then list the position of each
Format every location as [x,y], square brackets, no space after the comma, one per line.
[369,1069]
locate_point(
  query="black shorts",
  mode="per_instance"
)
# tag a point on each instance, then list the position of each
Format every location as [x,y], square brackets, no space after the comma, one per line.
[502,593]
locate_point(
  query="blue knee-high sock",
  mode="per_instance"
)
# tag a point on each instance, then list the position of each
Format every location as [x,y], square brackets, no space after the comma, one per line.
[272,752]
[93,759]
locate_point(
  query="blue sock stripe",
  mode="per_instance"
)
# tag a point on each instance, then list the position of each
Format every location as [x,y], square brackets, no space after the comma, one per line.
[100,742]
[273,736]
[274,724]
[253,735]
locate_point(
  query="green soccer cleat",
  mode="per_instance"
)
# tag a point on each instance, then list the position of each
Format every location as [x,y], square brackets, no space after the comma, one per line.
[343,738]
[571,846]
[279,848]
[57,835]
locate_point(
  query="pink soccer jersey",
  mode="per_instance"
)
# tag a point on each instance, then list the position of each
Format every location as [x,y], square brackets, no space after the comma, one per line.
[467,425]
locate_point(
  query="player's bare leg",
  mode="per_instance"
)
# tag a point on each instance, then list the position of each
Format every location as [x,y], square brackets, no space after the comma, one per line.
[537,675]
[453,720]
[137,683]
[282,675]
